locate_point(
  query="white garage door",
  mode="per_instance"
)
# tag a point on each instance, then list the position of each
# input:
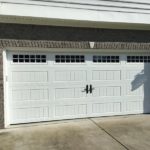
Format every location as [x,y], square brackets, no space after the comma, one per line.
[53,86]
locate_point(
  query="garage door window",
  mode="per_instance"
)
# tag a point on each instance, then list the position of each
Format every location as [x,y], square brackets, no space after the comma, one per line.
[106,59]
[138,59]
[21,58]
[69,58]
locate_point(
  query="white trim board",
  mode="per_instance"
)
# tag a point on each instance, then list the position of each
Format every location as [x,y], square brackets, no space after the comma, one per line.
[51,14]
[75,50]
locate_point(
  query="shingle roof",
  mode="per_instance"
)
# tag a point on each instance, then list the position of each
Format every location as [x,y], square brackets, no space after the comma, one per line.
[4,43]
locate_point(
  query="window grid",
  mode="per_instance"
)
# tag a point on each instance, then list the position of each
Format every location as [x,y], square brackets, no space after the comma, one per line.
[138,59]
[25,58]
[106,59]
[69,58]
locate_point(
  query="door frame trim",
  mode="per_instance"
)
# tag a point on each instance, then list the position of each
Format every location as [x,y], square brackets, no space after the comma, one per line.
[70,50]
[5,83]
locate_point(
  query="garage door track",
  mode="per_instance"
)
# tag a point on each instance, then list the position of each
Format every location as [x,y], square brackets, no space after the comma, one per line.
[105,133]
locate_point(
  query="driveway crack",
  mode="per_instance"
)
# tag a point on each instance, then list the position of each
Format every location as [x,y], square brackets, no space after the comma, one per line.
[101,128]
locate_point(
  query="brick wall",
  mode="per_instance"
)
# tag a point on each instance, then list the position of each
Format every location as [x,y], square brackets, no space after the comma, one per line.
[55,33]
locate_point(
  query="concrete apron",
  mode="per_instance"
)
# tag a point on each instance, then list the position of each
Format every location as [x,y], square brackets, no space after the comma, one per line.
[109,133]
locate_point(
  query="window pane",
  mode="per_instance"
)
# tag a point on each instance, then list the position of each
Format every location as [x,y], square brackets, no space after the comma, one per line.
[106,59]
[69,58]
[138,59]
[24,58]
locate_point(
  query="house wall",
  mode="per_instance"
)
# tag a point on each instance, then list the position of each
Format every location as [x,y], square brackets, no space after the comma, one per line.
[35,32]
[47,33]
[87,12]
[135,6]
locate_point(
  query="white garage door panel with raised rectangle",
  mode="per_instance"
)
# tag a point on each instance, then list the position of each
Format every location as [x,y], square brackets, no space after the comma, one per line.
[52,86]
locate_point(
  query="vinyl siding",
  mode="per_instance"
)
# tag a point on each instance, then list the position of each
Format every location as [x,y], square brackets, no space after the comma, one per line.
[127,6]
[123,14]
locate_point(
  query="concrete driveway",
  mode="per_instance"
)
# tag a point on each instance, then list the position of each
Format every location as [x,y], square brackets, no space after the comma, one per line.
[106,133]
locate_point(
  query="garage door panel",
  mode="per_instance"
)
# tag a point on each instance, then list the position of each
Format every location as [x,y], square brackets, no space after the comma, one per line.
[134,90]
[100,75]
[135,82]
[31,93]
[104,99]
[27,103]
[106,82]
[28,85]
[29,76]
[65,110]
[55,88]
[135,106]
[132,74]
[70,76]
[106,91]
[70,110]
[69,93]
[30,114]
[69,84]
[106,107]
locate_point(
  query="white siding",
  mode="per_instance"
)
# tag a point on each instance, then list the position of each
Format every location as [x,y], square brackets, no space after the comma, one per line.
[135,6]
[98,11]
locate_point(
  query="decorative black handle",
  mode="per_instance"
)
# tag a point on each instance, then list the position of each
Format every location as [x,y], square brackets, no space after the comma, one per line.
[87,89]
[91,89]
